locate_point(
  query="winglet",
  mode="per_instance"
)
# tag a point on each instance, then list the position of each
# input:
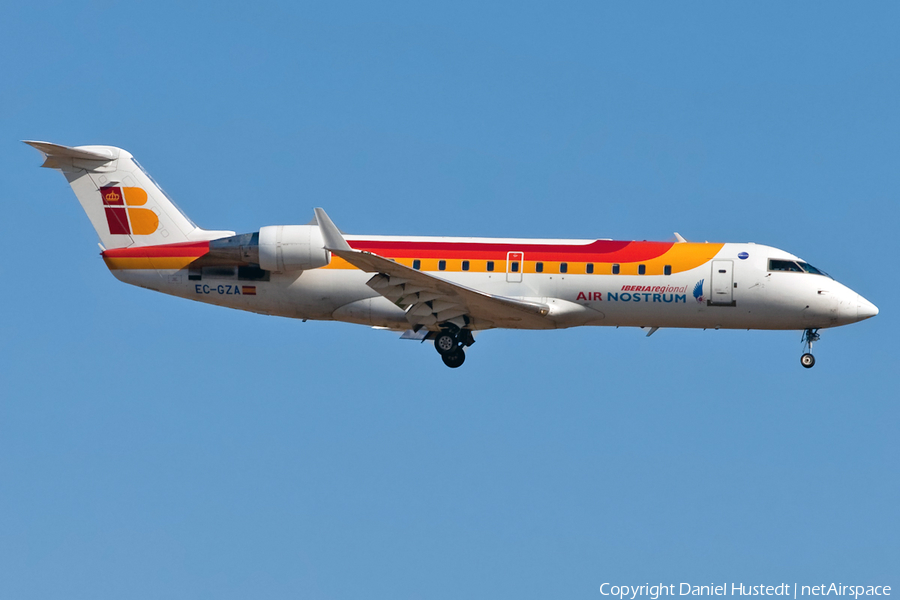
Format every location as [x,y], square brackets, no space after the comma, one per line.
[679,237]
[330,233]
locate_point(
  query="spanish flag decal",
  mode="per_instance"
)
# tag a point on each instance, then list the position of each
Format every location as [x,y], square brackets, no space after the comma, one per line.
[248,290]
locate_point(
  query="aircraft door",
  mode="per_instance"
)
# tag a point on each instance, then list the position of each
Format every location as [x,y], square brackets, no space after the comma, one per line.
[722,283]
[515,263]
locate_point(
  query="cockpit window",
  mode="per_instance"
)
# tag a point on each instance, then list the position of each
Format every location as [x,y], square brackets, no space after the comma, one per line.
[811,269]
[794,267]
[784,265]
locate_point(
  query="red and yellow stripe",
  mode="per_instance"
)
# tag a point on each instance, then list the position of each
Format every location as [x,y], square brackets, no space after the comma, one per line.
[603,254]
[167,256]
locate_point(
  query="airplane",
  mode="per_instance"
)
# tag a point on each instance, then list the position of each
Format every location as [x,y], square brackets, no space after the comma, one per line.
[444,289]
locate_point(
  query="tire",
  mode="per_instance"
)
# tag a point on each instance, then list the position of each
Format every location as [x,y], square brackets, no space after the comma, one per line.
[445,343]
[808,360]
[454,360]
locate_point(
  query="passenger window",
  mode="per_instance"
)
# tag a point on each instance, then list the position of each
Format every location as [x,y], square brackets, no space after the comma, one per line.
[465,265]
[563,267]
[442,265]
[490,265]
[590,268]
[417,264]
[615,269]
[514,267]
[642,269]
[539,267]
[667,270]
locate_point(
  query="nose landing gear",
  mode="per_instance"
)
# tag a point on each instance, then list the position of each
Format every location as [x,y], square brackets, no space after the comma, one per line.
[809,337]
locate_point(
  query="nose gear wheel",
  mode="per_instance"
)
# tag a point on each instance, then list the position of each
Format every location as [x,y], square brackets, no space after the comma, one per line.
[810,336]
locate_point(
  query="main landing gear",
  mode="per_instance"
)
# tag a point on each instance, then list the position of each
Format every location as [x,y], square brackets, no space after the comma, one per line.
[809,337]
[450,343]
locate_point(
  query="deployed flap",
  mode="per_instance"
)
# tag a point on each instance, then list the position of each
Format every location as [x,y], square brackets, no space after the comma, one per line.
[429,300]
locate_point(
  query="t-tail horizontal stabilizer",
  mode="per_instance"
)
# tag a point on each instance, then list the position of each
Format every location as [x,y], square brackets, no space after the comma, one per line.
[125,206]
[57,156]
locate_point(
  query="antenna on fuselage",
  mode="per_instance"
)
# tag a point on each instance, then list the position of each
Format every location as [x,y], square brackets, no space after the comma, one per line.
[680,239]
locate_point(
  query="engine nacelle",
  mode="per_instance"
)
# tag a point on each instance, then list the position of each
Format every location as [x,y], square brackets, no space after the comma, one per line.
[292,248]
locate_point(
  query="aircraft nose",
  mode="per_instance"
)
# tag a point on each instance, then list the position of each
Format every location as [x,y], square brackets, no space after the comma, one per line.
[864,308]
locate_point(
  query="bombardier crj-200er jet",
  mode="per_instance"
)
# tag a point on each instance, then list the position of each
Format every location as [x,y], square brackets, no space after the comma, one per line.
[440,288]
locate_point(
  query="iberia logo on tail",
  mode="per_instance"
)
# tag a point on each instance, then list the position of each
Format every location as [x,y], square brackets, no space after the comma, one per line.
[121,214]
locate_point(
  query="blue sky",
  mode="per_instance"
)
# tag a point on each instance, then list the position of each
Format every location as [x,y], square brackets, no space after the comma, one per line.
[152,447]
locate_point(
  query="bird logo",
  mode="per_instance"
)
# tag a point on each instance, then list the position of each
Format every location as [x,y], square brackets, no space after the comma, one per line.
[698,291]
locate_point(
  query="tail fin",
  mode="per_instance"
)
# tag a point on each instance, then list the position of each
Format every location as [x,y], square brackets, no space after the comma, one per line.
[125,206]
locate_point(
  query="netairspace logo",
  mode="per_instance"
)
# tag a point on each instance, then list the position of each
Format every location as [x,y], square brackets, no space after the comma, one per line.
[739,589]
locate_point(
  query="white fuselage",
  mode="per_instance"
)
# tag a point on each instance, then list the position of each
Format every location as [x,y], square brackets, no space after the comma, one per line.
[738,291]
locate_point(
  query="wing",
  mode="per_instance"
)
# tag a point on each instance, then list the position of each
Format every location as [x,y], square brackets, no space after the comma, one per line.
[431,301]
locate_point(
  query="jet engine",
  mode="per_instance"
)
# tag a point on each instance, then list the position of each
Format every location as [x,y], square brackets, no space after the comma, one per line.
[292,248]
